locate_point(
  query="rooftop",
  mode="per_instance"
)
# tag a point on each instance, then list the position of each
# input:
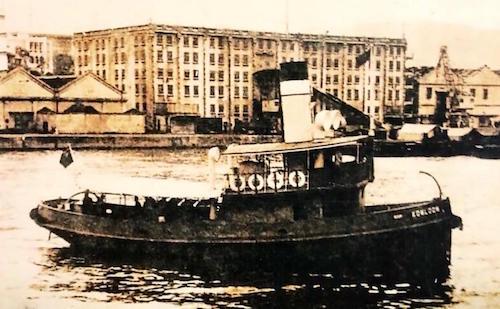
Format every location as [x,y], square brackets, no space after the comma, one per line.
[247,33]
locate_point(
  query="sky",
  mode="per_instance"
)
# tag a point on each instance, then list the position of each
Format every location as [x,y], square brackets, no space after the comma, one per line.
[470,29]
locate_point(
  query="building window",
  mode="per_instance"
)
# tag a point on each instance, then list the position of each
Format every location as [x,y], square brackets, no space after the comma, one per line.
[212,92]
[170,74]
[245,60]
[195,42]
[212,76]
[328,63]
[186,91]
[221,59]
[186,58]
[398,80]
[485,94]
[196,91]
[170,90]
[212,42]
[261,44]
[356,79]
[186,74]
[169,40]
[314,62]
[236,92]
[160,90]
[116,74]
[236,60]
[377,65]
[328,80]
[335,79]
[136,73]
[221,91]
[428,93]
[336,92]
[245,44]
[170,57]
[396,96]
[473,92]
[389,95]
[212,108]
[349,79]
[349,64]
[356,94]
[390,80]
[391,65]
[124,58]
[160,73]
[195,58]
[314,77]
[196,74]
[349,94]
[220,43]
[186,41]
[245,76]
[236,76]
[159,40]
[159,56]
[123,74]
[376,94]
[245,92]
[336,63]
[377,80]
[368,98]
[221,76]
[212,59]
[398,65]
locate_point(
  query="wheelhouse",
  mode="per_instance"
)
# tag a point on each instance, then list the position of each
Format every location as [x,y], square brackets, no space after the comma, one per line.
[345,162]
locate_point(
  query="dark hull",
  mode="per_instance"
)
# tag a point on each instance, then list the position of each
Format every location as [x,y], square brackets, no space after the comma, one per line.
[372,242]
[383,148]
[488,151]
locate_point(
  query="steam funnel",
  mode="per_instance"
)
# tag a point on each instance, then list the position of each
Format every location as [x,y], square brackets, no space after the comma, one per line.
[296,93]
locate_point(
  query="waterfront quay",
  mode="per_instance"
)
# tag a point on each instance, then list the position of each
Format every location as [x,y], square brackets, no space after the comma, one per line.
[126,141]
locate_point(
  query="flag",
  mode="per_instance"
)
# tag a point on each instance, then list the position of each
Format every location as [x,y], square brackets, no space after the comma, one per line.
[66,157]
[362,58]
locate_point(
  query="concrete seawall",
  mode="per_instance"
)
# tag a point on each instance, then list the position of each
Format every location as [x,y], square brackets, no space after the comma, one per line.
[124,141]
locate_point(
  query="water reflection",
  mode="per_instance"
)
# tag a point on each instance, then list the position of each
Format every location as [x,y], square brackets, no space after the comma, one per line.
[135,278]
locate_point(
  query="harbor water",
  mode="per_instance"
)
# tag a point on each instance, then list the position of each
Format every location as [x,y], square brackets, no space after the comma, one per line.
[38,270]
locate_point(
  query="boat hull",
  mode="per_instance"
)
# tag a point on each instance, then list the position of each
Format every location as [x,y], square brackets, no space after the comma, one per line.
[389,239]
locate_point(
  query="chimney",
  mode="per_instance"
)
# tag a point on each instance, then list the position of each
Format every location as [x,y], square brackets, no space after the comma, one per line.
[295,90]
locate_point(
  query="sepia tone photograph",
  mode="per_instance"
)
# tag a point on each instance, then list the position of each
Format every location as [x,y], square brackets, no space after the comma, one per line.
[249,154]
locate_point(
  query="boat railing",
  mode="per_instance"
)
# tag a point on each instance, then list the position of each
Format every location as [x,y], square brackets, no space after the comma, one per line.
[124,199]
[273,181]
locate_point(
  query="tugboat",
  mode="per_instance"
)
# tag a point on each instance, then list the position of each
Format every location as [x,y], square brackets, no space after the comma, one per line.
[297,203]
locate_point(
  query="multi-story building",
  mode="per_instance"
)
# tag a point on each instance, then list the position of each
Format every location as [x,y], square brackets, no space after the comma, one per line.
[168,70]
[459,97]
[3,44]
[44,53]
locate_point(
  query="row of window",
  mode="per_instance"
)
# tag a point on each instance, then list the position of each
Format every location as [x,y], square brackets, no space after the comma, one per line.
[353,94]
[36,47]
[193,91]
[472,92]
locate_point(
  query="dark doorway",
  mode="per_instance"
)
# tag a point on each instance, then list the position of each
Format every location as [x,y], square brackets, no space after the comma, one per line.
[440,114]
